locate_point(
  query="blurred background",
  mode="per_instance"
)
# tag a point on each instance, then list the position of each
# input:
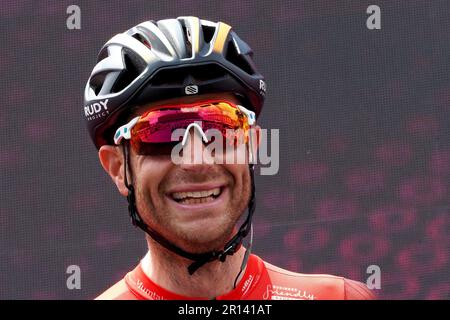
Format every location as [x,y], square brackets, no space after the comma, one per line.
[364,119]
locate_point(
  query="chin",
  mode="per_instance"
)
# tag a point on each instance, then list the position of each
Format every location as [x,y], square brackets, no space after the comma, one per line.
[204,239]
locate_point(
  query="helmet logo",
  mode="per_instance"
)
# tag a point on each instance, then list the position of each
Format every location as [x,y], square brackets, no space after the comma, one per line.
[96,110]
[262,86]
[191,89]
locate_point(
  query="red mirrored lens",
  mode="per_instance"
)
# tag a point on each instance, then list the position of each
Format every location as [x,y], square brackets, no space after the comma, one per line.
[153,133]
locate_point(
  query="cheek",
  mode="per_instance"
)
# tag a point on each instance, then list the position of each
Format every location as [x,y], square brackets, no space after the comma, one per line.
[241,180]
[149,175]
[242,190]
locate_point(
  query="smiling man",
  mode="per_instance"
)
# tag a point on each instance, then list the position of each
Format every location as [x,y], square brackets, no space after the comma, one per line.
[194,75]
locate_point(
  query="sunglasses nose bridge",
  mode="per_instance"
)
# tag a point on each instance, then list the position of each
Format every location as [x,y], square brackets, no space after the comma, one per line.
[194,144]
[191,130]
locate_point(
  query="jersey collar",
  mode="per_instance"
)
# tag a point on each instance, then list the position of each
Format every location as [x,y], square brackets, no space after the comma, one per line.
[145,289]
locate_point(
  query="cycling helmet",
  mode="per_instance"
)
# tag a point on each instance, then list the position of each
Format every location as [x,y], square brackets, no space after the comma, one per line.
[166,59]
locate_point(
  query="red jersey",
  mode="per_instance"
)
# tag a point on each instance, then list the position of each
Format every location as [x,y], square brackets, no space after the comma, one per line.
[261,281]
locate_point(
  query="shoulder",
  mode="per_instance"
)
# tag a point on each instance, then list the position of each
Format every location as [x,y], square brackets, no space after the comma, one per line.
[355,290]
[316,286]
[119,291]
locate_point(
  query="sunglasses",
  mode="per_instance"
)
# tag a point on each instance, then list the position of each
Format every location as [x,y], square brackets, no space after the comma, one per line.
[157,132]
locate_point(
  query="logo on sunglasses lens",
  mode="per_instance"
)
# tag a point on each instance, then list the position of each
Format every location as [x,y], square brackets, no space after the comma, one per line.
[192,89]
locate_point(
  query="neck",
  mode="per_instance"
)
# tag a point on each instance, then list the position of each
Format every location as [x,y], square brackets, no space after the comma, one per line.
[169,271]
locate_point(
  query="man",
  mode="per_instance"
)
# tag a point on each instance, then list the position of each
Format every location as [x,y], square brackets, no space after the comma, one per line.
[194,75]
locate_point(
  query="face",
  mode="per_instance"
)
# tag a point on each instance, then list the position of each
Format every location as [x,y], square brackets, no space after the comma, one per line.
[195,206]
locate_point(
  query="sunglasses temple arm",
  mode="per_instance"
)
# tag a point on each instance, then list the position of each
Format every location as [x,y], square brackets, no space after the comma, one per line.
[252,122]
[125,131]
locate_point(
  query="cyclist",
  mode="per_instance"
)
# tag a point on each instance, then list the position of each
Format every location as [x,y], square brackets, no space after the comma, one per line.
[191,74]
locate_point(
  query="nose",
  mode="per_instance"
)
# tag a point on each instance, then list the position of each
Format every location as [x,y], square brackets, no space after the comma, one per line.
[193,149]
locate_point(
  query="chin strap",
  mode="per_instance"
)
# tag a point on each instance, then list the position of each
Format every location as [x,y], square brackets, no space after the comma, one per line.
[199,259]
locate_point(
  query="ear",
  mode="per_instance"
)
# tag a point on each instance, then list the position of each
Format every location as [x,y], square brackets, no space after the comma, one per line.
[111,158]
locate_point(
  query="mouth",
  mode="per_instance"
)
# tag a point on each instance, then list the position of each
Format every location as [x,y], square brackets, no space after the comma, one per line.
[197,196]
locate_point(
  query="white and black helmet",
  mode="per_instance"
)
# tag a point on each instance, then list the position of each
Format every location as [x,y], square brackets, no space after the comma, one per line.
[167,59]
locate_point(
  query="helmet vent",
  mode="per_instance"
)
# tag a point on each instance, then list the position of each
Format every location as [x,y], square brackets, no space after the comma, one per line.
[238,59]
[142,39]
[187,40]
[102,55]
[133,67]
[208,33]
[96,82]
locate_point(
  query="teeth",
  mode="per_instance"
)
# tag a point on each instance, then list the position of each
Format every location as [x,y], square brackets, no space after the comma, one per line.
[195,200]
[196,194]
